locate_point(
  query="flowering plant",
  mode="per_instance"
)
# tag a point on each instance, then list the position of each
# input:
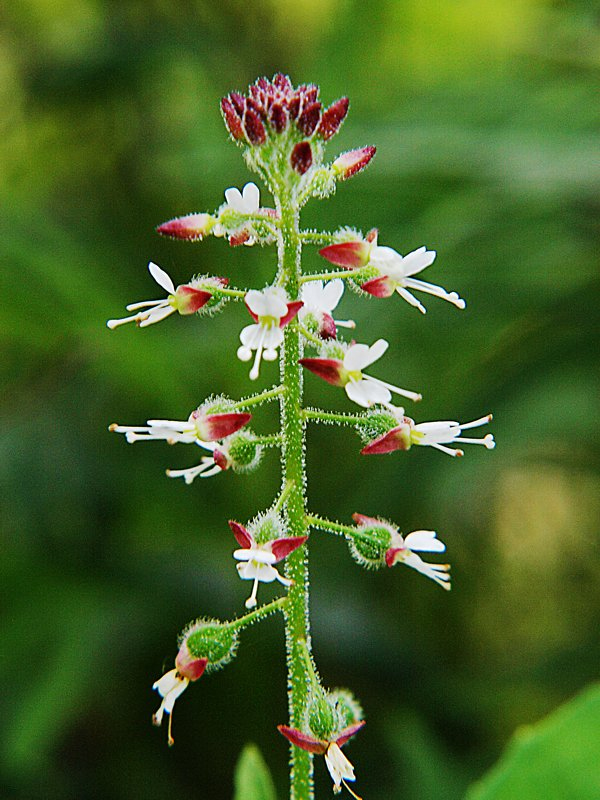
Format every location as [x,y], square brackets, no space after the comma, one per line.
[283,131]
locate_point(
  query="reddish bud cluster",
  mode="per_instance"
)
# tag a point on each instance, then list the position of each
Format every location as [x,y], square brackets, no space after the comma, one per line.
[271,106]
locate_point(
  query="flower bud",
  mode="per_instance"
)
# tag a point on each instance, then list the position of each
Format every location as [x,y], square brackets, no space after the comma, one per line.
[321,716]
[375,424]
[210,640]
[371,542]
[332,118]
[232,118]
[244,451]
[348,164]
[348,709]
[301,157]
[190,228]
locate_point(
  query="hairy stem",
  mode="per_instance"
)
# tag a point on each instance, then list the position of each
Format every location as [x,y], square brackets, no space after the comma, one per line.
[293,435]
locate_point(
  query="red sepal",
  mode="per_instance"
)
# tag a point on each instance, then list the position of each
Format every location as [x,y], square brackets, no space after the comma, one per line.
[347,254]
[327,329]
[243,538]
[293,309]
[303,740]
[238,238]
[348,164]
[349,732]
[361,519]
[190,300]
[188,666]
[286,545]
[222,425]
[255,130]
[221,460]
[379,287]
[327,368]
[396,439]
[390,556]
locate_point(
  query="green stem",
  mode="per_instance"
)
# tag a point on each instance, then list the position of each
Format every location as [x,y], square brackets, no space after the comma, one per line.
[318,237]
[283,496]
[259,613]
[309,337]
[256,399]
[230,292]
[326,276]
[293,467]
[327,416]
[328,525]
[269,440]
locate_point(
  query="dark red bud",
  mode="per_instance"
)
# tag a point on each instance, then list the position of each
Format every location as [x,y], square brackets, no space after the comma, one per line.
[238,238]
[332,118]
[311,93]
[282,82]
[278,118]
[309,118]
[255,130]
[232,119]
[294,106]
[301,158]
[238,101]
[327,329]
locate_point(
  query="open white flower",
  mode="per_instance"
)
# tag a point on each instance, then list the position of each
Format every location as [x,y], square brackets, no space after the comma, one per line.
[396,276]
[319,302]
[401,551]
[271,312]
[340,768]
[169,687]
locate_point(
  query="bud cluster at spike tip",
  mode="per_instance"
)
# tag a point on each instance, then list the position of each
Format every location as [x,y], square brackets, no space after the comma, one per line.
[271,106]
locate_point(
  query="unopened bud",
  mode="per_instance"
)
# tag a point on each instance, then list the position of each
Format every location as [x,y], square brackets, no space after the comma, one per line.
[332,118]
[348,164]
[301,158]
[244,451]
[214,641]
[371,542]
[321,716]
[190,228]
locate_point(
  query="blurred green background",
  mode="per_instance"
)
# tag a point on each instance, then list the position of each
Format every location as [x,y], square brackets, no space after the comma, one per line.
[486,120]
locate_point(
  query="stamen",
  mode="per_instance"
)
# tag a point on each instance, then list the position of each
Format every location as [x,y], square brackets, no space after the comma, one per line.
[144,304]
[411,299]
[356,797]
[251,601]
[487,441]
[170,739]
[255,369]
[476,423]
[447,450]
[415,396]
[345,323]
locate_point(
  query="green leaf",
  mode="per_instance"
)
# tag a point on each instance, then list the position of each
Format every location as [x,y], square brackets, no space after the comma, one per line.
[555,759]
[252,777]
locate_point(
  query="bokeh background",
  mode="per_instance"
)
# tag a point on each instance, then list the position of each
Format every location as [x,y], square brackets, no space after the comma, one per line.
[486,120]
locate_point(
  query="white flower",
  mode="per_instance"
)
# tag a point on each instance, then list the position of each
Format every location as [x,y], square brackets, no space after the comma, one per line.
[319,302]
[439,434]
[364,389]
[155,310]
[402,549]
[169,687]
[245,202]
[271,311]
[257,565]
[340,769]
[398,270]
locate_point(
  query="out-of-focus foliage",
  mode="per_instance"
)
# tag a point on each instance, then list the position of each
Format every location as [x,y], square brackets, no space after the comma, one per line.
[252,778]
[556,758]
[486,120]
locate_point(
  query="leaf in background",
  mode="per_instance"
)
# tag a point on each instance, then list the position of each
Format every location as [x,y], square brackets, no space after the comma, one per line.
[252,777]
[554,759]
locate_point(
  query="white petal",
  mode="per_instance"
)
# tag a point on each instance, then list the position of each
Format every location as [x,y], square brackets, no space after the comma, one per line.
[338,765]
[386,260]
[273,338]
[356,357]
[332,294]
[169,701]
[167,683]
[250,571]
[366,393]
[251,336]
[161,277]
[312,294]
[417,260]
[377,350]
[256,302]
[233,197]
[275,304]
[424,541]
[251,197]
[254,554]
